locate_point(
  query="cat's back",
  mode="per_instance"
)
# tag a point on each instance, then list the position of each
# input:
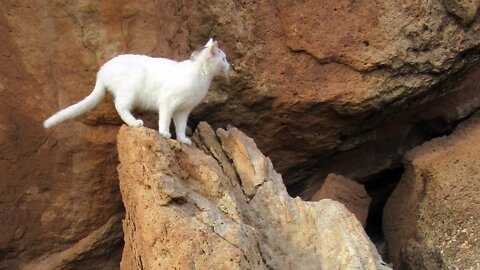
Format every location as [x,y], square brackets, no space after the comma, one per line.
[132,62]
[128,60]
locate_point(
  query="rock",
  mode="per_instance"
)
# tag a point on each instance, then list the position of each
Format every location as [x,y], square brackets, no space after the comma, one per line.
[358,68]
[401,132]
[350,193]
[88,253]
[432,219]
[187,208]
[463,9]
[316,85]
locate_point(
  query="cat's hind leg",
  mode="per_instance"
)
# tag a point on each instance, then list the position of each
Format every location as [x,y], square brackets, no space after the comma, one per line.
[124,108]
[180,120]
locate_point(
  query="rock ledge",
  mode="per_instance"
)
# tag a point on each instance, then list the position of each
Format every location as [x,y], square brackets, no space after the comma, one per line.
[221,205]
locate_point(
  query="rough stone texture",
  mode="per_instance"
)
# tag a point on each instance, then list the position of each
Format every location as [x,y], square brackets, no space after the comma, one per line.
[432,219]
[355,67]
[187,208]
[350,193]
[90,252]
[319,88]
[463,9]
[403,131]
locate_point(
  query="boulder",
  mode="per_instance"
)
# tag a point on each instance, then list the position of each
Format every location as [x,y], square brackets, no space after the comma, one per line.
[348,192]
[344,86]
[223,206]
[432,218]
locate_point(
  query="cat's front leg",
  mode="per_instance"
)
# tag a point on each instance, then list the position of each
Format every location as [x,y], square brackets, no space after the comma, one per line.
[180,119]
[164,119]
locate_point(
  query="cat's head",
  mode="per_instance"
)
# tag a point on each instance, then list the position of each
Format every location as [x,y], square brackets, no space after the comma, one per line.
[215,58]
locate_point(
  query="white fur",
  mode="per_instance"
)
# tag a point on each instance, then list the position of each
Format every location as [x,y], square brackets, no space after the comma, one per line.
[156,84]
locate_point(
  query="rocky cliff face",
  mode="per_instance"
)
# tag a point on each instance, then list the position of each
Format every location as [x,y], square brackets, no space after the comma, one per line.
[343,87]
[226,208]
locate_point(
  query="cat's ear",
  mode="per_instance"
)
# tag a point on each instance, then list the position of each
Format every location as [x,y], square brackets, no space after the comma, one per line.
[209,43]
[214,48]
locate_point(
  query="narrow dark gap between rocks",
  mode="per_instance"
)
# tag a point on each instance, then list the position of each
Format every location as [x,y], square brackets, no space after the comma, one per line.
[379,188]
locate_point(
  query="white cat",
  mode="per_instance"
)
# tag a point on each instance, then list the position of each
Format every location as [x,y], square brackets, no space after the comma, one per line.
[156,84]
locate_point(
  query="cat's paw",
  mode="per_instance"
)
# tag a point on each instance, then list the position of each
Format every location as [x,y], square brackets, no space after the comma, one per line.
[185,140]
[166,134]
[137,123]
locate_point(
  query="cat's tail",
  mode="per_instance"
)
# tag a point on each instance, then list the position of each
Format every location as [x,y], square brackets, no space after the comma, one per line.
[79,108]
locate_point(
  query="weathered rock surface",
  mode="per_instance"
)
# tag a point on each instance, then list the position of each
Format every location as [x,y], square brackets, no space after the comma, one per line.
[410,127]
[92,252]
[357,66]
[226,208]
[432,219]
[463,9]
[343,87]
[350,193]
